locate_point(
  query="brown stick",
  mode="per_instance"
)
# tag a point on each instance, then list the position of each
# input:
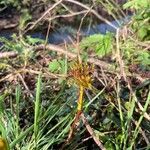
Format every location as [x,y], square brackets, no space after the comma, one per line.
[45,13]
[92,60]
[73,126]
[92,11]
[74,55]
[90,130]
[8,54]
[60,50]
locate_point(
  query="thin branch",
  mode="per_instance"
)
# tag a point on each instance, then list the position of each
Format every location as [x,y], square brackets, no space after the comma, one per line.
[67,15]
[8,54]
[92,11]
[67,8]
[45,13]
[45,74]
[25,85]
[91,132]
[78,36]
[119,56]
[60,51]
[109,67]
[74,55]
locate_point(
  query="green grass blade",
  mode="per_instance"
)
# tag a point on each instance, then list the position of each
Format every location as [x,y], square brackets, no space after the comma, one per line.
[136,131]
[37,109]
[18,94]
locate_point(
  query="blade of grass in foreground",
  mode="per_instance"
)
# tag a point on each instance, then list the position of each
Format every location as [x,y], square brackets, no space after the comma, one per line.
[92,100]
[23,134]
[37,110]
[136,132]
[18,94]
[129,119]
[121,115]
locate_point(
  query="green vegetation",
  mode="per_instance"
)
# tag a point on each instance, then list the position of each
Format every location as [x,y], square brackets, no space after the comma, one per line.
[38,98]
[100,44]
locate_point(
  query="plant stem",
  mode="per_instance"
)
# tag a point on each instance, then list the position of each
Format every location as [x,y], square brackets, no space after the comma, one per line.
[80,100]
[79,110]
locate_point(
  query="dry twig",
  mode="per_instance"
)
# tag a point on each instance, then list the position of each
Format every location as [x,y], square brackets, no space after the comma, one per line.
[74,55]
[33,24]
[90,130]
[8,54]
[93,12]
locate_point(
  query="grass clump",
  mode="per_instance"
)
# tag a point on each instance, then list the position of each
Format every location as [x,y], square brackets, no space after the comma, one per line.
[38,102]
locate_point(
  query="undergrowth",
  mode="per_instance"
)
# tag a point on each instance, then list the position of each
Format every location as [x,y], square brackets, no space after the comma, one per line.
[38,99]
